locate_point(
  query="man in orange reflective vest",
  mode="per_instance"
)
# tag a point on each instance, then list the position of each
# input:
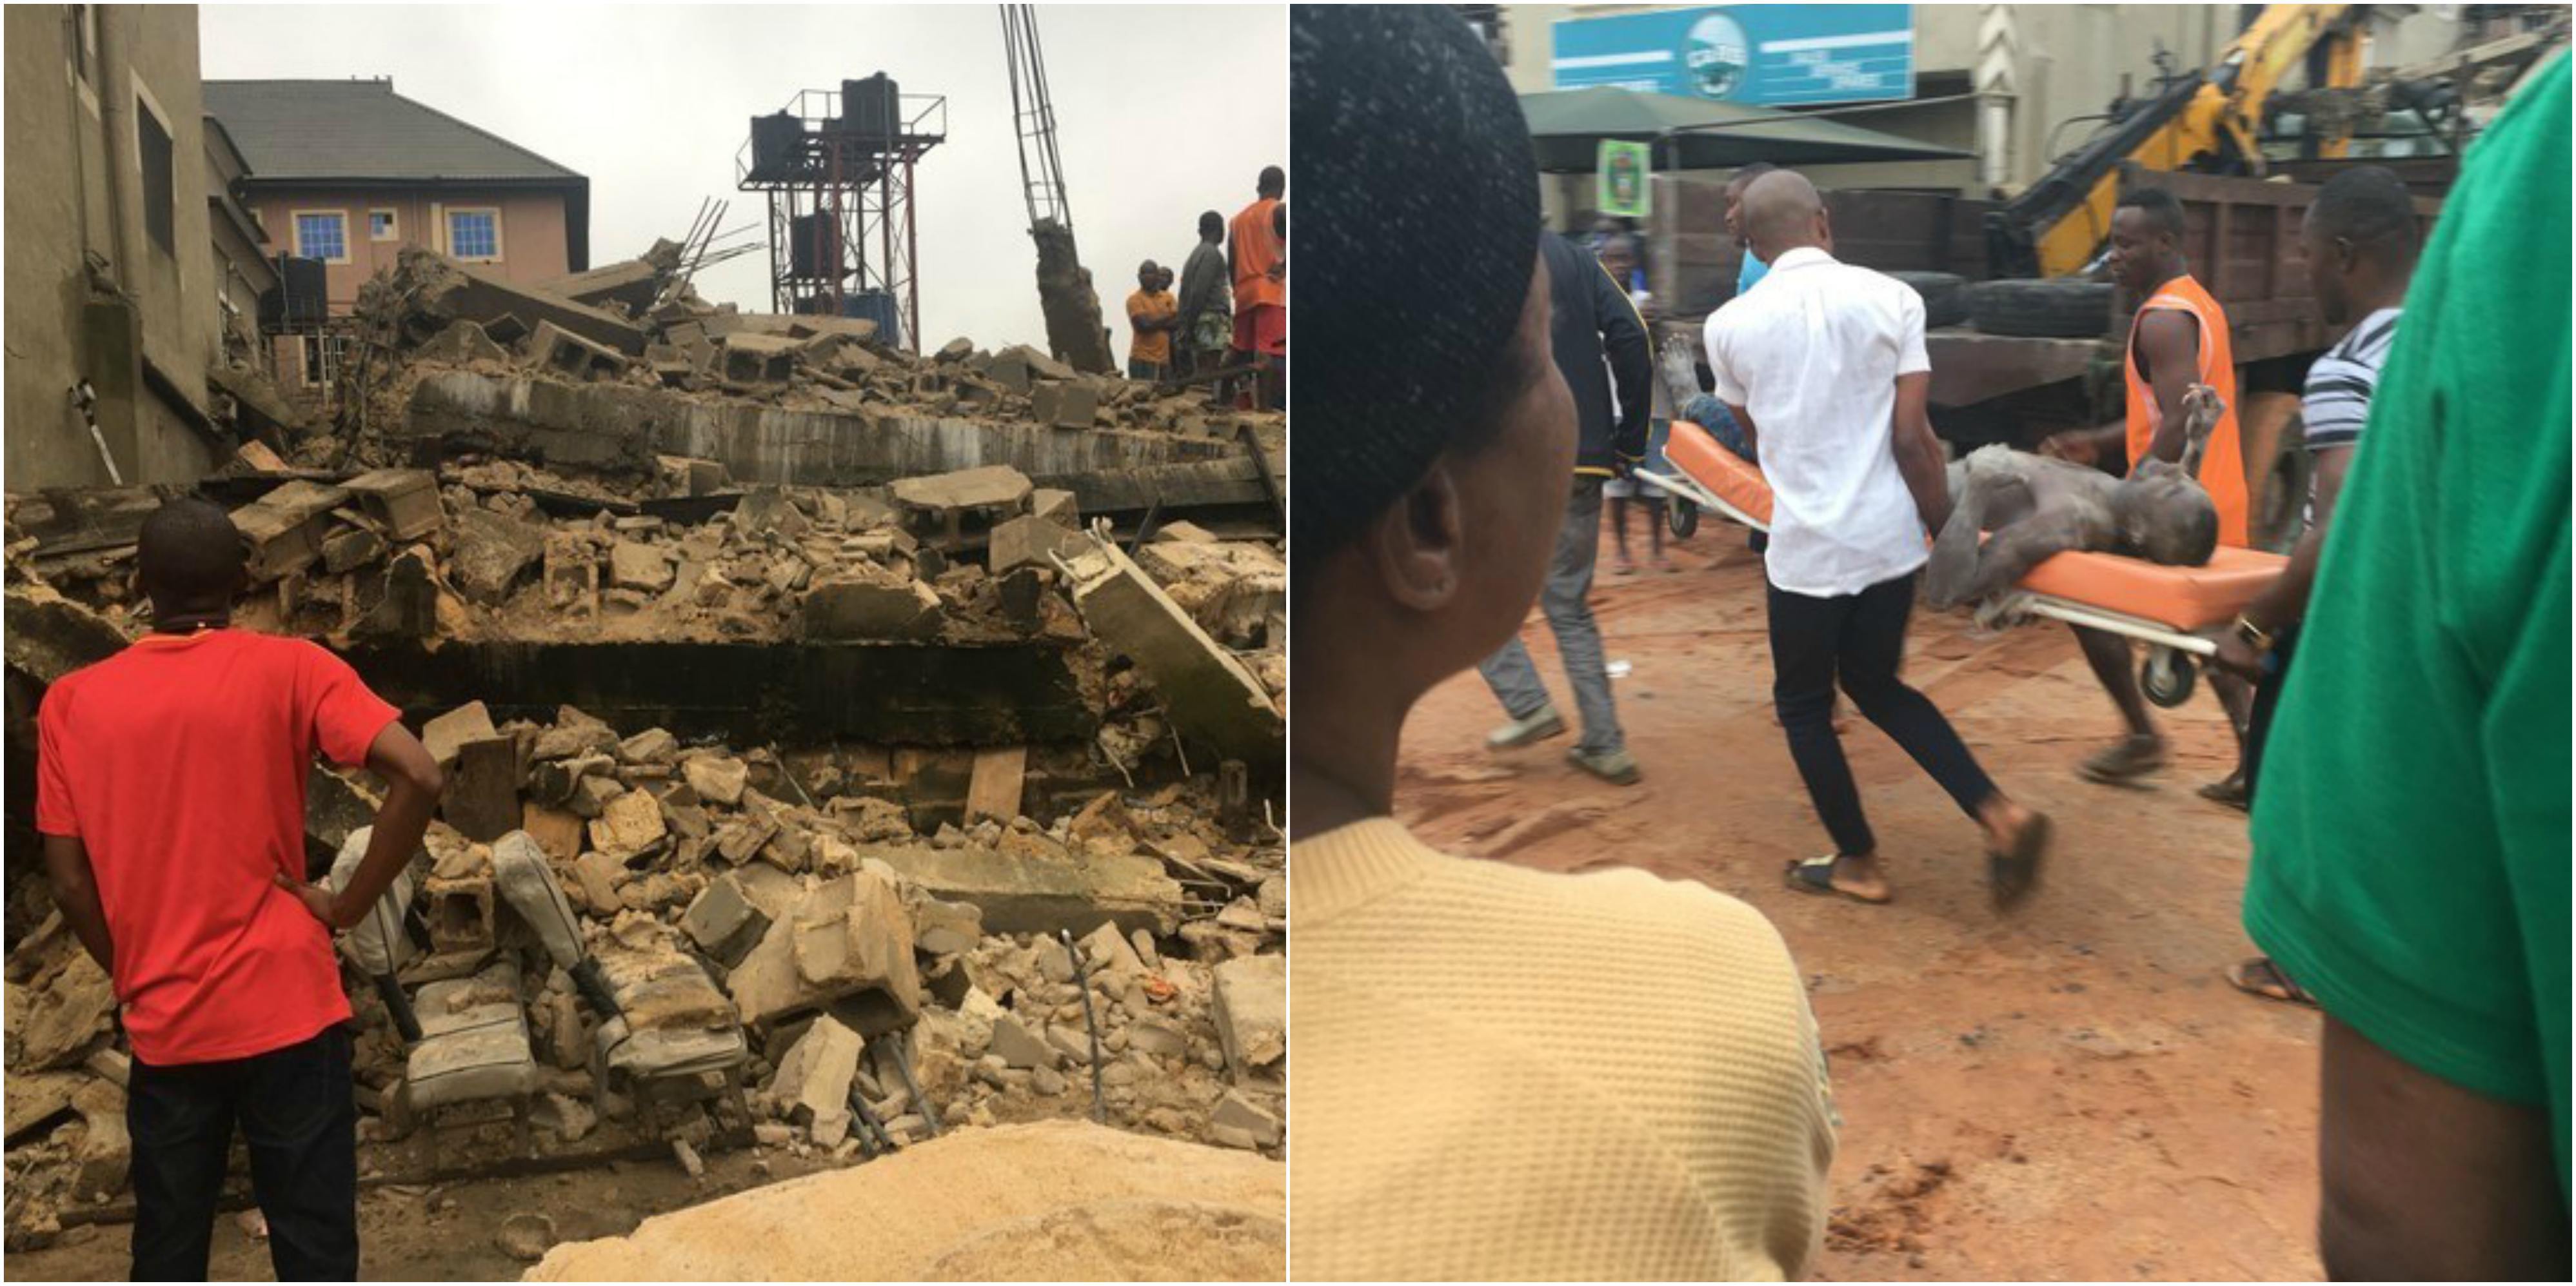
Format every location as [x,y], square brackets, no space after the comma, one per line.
[2179,339]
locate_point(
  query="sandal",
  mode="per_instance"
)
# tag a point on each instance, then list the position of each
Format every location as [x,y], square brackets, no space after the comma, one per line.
[2012,874]
[2228,792]
[2124,760]
[1816,875]
[2260,977]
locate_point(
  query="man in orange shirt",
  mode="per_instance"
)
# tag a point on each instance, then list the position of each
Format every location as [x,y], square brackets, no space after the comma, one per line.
[1259,256]
[1152,314]
[2179,339]
[170,793]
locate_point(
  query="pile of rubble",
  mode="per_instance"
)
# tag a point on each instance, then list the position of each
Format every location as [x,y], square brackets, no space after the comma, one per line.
[501,550]
[641,324]
[854,986]
[915,800]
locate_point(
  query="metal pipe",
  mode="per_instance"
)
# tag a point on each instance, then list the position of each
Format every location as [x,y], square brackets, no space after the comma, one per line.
[1082,980]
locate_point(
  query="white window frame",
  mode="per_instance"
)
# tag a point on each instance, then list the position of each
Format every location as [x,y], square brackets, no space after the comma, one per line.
[448,226]
[295,231]
[393,224]
[324,353]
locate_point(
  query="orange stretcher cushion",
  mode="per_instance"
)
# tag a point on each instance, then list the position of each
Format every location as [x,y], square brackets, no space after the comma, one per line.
[2182,598]
[1696,454]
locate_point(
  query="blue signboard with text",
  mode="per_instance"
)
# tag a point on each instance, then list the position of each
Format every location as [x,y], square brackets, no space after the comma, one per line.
[1767,55]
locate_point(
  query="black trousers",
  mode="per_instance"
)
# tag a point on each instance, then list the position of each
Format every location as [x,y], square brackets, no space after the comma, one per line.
[1859,639]
[298,1112]
[2267,698]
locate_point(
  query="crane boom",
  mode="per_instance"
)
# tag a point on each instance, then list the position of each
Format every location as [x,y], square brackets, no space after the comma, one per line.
[1065,294]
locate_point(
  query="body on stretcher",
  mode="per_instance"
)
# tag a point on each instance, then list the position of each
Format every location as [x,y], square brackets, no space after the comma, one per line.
[2174,610]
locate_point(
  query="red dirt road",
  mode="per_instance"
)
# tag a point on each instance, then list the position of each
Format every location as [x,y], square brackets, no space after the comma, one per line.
[2073,1092]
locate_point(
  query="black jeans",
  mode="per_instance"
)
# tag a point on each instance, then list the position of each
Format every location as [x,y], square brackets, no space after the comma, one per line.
[2267,698]
[1859,638]
[299,1113]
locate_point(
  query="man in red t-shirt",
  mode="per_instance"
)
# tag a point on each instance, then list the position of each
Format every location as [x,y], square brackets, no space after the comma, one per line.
[170,791]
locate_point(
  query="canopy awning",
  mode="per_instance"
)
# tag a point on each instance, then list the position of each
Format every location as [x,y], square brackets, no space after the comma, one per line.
[1567,125]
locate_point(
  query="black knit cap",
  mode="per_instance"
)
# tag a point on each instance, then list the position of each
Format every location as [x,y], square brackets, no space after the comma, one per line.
[1416,236]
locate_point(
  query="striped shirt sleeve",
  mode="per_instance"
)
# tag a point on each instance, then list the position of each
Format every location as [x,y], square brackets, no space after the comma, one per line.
[2340,384]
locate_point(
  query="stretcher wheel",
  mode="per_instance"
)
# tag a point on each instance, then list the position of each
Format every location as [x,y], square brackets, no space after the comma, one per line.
[1682,516]
[2167,676]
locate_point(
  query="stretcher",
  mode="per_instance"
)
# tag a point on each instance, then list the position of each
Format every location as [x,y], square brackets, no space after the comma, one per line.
[2175,611]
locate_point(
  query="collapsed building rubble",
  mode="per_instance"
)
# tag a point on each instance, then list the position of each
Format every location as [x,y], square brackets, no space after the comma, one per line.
[823,798]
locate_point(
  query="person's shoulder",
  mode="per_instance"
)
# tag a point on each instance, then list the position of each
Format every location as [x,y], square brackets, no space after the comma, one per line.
[1639,914]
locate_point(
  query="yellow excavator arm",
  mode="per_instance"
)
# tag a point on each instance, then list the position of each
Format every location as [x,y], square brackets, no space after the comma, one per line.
[2209,121]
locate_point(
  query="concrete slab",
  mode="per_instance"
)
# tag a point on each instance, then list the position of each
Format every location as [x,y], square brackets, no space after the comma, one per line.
[1210,695]
[1019,894]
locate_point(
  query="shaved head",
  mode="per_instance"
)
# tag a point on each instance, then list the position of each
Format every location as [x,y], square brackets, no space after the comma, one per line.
[1782,212]
[190,559]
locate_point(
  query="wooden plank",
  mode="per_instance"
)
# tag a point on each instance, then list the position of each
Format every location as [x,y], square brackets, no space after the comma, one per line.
[993,790]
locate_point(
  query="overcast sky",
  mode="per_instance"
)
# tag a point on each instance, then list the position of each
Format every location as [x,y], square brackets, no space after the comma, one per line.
[1161,112]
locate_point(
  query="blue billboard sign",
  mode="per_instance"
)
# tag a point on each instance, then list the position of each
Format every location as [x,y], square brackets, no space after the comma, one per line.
[1768,55]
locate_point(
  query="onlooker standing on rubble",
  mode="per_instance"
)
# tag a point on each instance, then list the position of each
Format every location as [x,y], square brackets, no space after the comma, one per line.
[2410,844]
[1598,344]
[1152,315]
[1460,1024]
[1825,369]
[2360,239]
[170,792]
[1205,322]
[1257,254]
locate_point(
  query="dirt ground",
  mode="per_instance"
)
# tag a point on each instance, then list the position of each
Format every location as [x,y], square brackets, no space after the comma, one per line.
[2073,1092]
[446,1232]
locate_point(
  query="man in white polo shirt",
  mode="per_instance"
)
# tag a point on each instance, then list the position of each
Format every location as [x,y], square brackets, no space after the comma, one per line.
[1824,369]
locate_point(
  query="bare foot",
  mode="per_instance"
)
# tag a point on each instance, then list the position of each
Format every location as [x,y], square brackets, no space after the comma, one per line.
[1678,367]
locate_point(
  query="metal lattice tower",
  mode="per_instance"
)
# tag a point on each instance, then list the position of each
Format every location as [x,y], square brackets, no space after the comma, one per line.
[1033,119]
[838,169]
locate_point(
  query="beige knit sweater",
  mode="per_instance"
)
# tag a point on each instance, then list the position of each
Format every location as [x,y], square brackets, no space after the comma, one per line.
[1503,1073]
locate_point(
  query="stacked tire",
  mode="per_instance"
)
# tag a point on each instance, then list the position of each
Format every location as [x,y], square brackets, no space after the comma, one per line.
[2041,309]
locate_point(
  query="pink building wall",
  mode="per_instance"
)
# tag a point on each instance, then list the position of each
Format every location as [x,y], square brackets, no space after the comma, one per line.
[533,247]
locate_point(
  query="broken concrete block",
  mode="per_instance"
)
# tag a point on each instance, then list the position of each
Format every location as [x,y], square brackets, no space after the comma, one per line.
[1055,506]
[631,823]
[600,875]
[1069,405]
[458,290]
[1023,893]
[67,1013]
[814,1075]
[1238,1122]
[350,548]
[993,789]
[723,921]
[946,928]
[490,553]
[555,780]
[846,949]
[638,566]
[285,527]
[471,721]
[993,486]
[482,799]
[740,840]
[1017,1046]
[869,605]
[402,501]
[955,350]
[565,741]
[1185,531]
[694,477]
[651,746]
[1251,1012]
[593,793]
[558,831]
[1209,694]
[766,511]
[462,342]
[460,908]
[751,358]
[1026,541]
[409,608]
[718,779]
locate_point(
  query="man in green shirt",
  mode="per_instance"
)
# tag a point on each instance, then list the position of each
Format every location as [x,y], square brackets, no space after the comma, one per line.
[2411,842]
